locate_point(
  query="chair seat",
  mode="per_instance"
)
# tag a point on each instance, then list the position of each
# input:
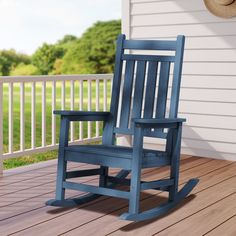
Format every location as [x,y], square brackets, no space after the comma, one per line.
[114,156]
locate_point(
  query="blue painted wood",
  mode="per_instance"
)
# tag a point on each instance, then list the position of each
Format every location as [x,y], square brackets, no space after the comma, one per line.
[164,208]
[130,159]
[169,45]
[127,57]
[82,173]
[62,164]
[127,92]
[96,190]
[174,103]
[135,185]
[139,88]
[150,89]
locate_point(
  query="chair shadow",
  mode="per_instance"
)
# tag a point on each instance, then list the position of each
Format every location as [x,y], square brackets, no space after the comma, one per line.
[120,206]
[137,225]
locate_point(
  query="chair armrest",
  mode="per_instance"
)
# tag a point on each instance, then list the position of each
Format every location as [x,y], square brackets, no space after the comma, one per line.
[83,115]
[158,123]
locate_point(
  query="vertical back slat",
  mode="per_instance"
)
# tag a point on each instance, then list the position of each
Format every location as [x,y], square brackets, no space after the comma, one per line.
[127,93]
[150,89]
[139,87]
[162,90]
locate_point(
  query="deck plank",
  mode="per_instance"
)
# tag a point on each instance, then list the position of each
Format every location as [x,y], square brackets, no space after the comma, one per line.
[22,209]
[110,223]
[229,227]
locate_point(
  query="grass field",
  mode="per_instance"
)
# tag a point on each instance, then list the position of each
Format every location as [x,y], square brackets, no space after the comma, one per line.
[14,162]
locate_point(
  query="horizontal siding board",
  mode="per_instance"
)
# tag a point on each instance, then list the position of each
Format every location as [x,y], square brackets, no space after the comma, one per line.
[209,68]
[210,121]
[209,29]
[207,134]
[208,95]
[209,82]
[175,18]
[195,107]
[166,6]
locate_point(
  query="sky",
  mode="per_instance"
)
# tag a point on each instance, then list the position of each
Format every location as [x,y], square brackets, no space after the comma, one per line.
[26,24]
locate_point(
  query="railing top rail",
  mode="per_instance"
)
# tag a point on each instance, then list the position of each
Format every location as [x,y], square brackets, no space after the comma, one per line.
[40,78]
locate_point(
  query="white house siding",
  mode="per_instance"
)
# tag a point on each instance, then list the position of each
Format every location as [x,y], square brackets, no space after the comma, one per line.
[208,94]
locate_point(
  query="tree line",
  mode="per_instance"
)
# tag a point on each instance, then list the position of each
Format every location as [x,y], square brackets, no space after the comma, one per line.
[93,52]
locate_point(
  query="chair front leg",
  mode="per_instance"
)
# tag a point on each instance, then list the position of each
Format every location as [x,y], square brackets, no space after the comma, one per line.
[62,163]
[136,171]
[175,160]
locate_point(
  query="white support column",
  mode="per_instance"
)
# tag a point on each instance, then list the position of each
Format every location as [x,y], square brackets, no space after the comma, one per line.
[72,104]
[22,116]
[53,116]
[81,102]
[89,107]
[97,106]
[43,114]
[10,117]
[33,104]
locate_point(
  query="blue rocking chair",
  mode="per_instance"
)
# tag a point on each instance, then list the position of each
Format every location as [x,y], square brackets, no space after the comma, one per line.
[142,112]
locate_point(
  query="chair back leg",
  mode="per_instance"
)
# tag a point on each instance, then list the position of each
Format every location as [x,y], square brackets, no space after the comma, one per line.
[175,160]
[135,189]
[62,163]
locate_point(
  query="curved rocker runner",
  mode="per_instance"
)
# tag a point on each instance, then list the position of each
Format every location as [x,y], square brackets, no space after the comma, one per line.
[143,112]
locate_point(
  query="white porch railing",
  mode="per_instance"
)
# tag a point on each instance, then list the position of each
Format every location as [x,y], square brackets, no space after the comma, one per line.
[24,96]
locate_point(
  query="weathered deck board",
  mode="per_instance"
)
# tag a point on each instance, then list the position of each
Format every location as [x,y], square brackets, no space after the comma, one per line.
[22,209]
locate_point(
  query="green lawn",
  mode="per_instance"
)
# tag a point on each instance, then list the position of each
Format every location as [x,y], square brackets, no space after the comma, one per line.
[14,162]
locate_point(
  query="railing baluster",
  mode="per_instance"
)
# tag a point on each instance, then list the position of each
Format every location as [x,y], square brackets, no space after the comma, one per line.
[81,102]
[97,106]
[104,95]
[33,113]
[72,104]
[89,107]
[1,128]
[10,118]
[43,114]
[63,94]
[22,116]
[53,116]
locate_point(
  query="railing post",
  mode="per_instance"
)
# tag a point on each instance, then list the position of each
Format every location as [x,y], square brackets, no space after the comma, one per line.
[1,128]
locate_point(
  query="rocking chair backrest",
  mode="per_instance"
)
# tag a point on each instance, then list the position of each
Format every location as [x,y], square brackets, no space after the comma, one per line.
[144,91]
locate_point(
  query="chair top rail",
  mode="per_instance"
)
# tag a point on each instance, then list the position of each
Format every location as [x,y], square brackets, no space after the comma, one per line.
[40,78]
[137,57]
[150,44]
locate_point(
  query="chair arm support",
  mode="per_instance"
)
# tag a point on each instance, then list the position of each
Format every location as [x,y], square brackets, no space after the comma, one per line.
[158,123]
[83,115]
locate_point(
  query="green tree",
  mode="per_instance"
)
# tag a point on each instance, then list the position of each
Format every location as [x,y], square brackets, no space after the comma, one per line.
[94,52]
[23,69]
[45,57]
[9,59]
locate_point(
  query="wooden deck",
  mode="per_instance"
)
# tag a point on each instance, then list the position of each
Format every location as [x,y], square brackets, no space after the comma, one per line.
[211,210]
